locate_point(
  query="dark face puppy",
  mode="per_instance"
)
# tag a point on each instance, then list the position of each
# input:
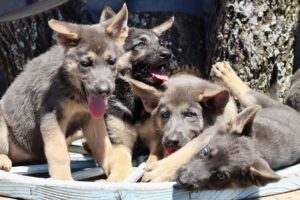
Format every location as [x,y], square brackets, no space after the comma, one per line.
[148,58]
[230,159]
[183,109]
[90,57]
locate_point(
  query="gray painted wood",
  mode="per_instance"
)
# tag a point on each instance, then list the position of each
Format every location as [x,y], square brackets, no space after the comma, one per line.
[39,188]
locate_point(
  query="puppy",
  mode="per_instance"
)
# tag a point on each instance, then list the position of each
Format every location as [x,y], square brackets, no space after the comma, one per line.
[145,60]
[180,111]
[244,152]
[66,86]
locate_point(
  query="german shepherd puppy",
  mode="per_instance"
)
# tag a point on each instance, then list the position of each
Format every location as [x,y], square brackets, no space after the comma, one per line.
[67,85]
[145,60]
[241,152]
[264,136]
[183,107]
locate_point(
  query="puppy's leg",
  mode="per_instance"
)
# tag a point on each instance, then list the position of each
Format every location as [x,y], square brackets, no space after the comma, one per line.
[120,163]
[165,169]
[156,153]
[5,162]
[239,89]
[98,142]
[56,150]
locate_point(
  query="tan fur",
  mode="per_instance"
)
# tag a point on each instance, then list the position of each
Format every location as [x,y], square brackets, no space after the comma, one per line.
[158,30]
[93,55]
[55,144]
[61,28]
[238,88]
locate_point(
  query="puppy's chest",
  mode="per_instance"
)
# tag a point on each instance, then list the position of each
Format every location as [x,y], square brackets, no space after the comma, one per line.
[70,110]
[124,105]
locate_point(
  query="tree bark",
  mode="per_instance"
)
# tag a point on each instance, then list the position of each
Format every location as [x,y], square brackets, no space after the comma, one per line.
[185,39]
[257,37]
[24,34]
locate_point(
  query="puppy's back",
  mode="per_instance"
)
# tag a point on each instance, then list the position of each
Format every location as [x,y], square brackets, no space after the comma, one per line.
[21,104]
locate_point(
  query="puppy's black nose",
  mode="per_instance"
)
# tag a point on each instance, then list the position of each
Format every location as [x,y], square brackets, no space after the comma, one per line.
[172,140]
[165,54]
[103,88]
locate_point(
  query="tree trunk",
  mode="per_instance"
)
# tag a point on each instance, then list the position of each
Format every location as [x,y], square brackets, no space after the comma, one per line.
[257,37]
[24,34]
[185,38]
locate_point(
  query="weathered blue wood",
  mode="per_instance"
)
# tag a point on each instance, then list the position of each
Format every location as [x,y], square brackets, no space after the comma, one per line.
[87,173]
[14,185]
[136,174]
[43,168]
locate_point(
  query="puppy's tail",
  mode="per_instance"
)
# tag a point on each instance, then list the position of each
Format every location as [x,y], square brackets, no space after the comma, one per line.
[187,69]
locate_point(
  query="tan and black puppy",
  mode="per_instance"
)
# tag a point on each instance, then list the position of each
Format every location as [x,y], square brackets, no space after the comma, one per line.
[146,60]
[244,152]
[66,86]
[183,107]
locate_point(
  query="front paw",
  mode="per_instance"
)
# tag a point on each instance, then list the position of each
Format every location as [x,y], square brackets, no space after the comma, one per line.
[161,171]
[5,163]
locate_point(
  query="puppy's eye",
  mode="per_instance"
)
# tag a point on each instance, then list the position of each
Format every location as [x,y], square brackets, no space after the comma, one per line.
[190,114]
[205,151]
[141,45]
[165,114]
[86,62]
[220,176]
[111,61]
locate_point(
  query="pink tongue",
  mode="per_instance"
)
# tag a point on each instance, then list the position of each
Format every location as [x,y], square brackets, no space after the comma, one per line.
[161,77]
[96,106]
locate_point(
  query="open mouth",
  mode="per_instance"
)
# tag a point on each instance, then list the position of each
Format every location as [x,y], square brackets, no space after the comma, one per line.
[170,150]
[159,73]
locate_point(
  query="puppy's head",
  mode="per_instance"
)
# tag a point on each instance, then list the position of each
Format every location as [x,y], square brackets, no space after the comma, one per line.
[149,59]
[184,107]
[230,159]
[91,54]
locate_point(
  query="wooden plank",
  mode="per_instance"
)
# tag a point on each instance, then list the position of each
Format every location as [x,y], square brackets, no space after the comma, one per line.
[87,173]
[43,168]
[39,188]
[136,174]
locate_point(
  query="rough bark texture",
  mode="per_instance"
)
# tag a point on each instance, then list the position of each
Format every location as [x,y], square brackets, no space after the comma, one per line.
[185,38]
[256,37]
[24,34]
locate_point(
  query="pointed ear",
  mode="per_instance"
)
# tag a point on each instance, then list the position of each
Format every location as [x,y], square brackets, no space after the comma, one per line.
[244,120]
[118,27]
[149,95]
[158,30]
[215,101]
[261,174]
[106,14]
[67,35]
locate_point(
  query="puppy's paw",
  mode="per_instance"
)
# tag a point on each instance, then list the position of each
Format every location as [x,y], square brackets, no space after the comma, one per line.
[223,71]
[5,163]
[161,171]
[119,174]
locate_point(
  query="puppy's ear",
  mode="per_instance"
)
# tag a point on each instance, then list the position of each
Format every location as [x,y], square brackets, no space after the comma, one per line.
[214,101]
[106,14]
[118,27]
[261,174]
[158,30]
[67,33]
[149,95]
[243,121]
